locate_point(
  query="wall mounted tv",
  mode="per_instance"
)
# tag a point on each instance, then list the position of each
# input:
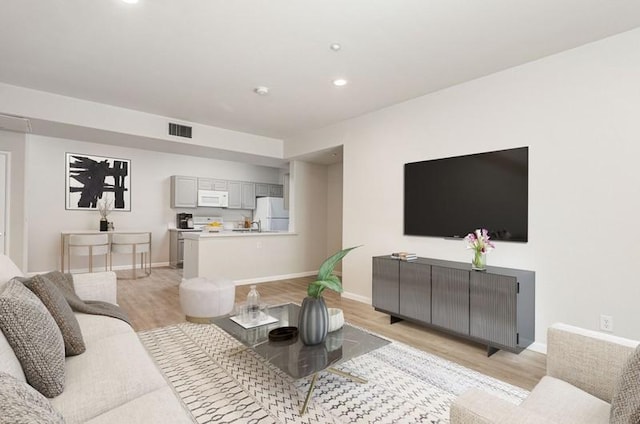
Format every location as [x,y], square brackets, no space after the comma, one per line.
[451,197]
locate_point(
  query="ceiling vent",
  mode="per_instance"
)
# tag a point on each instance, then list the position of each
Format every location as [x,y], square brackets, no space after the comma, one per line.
[179,130]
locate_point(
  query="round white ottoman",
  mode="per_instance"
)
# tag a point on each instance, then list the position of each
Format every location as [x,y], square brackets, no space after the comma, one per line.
[204,298]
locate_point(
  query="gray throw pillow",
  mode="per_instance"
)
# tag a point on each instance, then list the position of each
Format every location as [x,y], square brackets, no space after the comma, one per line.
[625,404]
[34,337]
[61,312]
[21,404]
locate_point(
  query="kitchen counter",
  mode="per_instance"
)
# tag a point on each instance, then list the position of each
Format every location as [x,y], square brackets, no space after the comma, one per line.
[206,235]
[243,256]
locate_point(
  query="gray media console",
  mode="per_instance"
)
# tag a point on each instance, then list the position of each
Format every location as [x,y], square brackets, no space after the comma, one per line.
[495,307]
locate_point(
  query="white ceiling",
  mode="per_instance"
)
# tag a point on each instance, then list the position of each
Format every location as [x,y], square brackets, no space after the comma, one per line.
[199,60]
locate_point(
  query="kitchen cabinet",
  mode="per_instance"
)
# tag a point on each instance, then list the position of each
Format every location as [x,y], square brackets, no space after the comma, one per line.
[269,190]
[285,191]
[235,194]
[248,195]
[184,192]
[495,307]
[176,249]
[242,195]
[262,190]
[275,190]
[212,184]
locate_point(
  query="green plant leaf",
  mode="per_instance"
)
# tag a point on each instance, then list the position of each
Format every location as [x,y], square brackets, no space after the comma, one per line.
[326,269]
[314,290]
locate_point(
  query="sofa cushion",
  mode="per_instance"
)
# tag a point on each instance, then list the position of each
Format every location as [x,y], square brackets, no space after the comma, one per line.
[159,407]
[60,310]
[35,338]
[8,270]
[576,407]
[22,404]
[625,405]
[96,327]
[8,361]
[113,371]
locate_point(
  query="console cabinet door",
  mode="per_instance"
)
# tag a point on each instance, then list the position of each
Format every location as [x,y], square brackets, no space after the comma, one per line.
[385,285]
[415,291]
[493,308]
[450,295]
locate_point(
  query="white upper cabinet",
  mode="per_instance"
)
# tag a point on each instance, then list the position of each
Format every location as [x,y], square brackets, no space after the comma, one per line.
[184,192]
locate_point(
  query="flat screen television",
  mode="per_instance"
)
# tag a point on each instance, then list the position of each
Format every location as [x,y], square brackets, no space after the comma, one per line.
[453,196]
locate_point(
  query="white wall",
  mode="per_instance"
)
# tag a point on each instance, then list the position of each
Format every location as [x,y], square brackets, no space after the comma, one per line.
[334,210]
[16,229]
[578,112]
[150,194]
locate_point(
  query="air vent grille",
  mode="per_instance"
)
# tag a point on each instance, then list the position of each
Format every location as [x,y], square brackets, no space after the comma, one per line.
[179,130]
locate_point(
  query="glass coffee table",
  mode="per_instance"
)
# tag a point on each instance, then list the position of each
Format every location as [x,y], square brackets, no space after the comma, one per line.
[296,359]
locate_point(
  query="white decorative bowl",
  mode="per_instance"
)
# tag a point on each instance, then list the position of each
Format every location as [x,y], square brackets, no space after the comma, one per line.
[336,319]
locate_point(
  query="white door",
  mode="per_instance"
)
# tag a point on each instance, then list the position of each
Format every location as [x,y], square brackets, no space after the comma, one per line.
[3,200]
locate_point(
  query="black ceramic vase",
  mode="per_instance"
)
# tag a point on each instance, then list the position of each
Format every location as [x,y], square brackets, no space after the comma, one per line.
[313,321]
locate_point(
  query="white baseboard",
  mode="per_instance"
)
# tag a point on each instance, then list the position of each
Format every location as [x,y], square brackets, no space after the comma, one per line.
[271,278]
[538,347]
[357,297]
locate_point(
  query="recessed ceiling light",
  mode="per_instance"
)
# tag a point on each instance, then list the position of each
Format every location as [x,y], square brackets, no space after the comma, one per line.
[335,47]
[262,91]
[340,82]
[130,1]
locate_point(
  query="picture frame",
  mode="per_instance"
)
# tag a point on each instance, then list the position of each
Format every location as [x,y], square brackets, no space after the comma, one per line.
[91,178]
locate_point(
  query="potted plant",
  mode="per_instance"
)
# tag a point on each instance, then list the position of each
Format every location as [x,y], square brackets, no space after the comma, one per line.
[104,207]
[479,242]
[313,321]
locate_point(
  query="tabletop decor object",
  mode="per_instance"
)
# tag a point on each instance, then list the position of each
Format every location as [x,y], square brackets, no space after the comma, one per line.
[313,321]
[104,207]
[479,242]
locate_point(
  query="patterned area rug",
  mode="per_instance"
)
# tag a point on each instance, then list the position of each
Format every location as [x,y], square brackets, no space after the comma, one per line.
[220,383]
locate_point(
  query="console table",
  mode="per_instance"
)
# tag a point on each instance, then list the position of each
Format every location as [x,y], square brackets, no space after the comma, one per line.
[495,307]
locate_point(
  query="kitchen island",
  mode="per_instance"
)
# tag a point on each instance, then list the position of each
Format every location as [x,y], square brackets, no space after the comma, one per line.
[245,256]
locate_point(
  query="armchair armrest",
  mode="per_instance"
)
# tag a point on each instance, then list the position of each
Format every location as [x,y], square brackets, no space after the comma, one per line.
[477,407]
[589,360]
[96,286]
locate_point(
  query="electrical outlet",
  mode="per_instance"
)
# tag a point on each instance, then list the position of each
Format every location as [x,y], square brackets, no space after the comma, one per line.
[259,245]
[606,323]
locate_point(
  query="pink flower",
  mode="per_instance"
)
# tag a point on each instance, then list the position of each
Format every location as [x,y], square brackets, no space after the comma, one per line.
[479,241]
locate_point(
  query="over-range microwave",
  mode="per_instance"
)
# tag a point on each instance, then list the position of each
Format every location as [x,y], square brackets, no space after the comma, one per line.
[213,199]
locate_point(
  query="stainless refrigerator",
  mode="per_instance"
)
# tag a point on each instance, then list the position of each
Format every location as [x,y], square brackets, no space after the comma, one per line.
[272,214]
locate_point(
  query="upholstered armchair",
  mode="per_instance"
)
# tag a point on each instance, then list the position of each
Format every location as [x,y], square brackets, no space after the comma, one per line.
[583,372]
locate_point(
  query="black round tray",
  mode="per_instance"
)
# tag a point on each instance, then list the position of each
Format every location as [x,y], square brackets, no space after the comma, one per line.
[283,333]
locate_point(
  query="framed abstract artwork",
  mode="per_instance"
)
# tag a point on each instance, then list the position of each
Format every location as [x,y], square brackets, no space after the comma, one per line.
[89,179]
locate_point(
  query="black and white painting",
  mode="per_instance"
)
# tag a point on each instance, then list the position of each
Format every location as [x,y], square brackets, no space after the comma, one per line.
[90,179]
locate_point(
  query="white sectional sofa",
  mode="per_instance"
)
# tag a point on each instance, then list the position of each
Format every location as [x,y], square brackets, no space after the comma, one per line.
[114,380]
[583,369]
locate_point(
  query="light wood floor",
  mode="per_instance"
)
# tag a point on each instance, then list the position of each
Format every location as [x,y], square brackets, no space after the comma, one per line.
[153,302]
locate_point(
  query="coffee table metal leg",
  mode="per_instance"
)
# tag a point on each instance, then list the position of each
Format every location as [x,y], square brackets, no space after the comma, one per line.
[347,375]
[334,371]
[309,393]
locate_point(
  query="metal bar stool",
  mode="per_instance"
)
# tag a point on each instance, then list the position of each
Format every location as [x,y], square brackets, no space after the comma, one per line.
[88,245]
[133,244]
